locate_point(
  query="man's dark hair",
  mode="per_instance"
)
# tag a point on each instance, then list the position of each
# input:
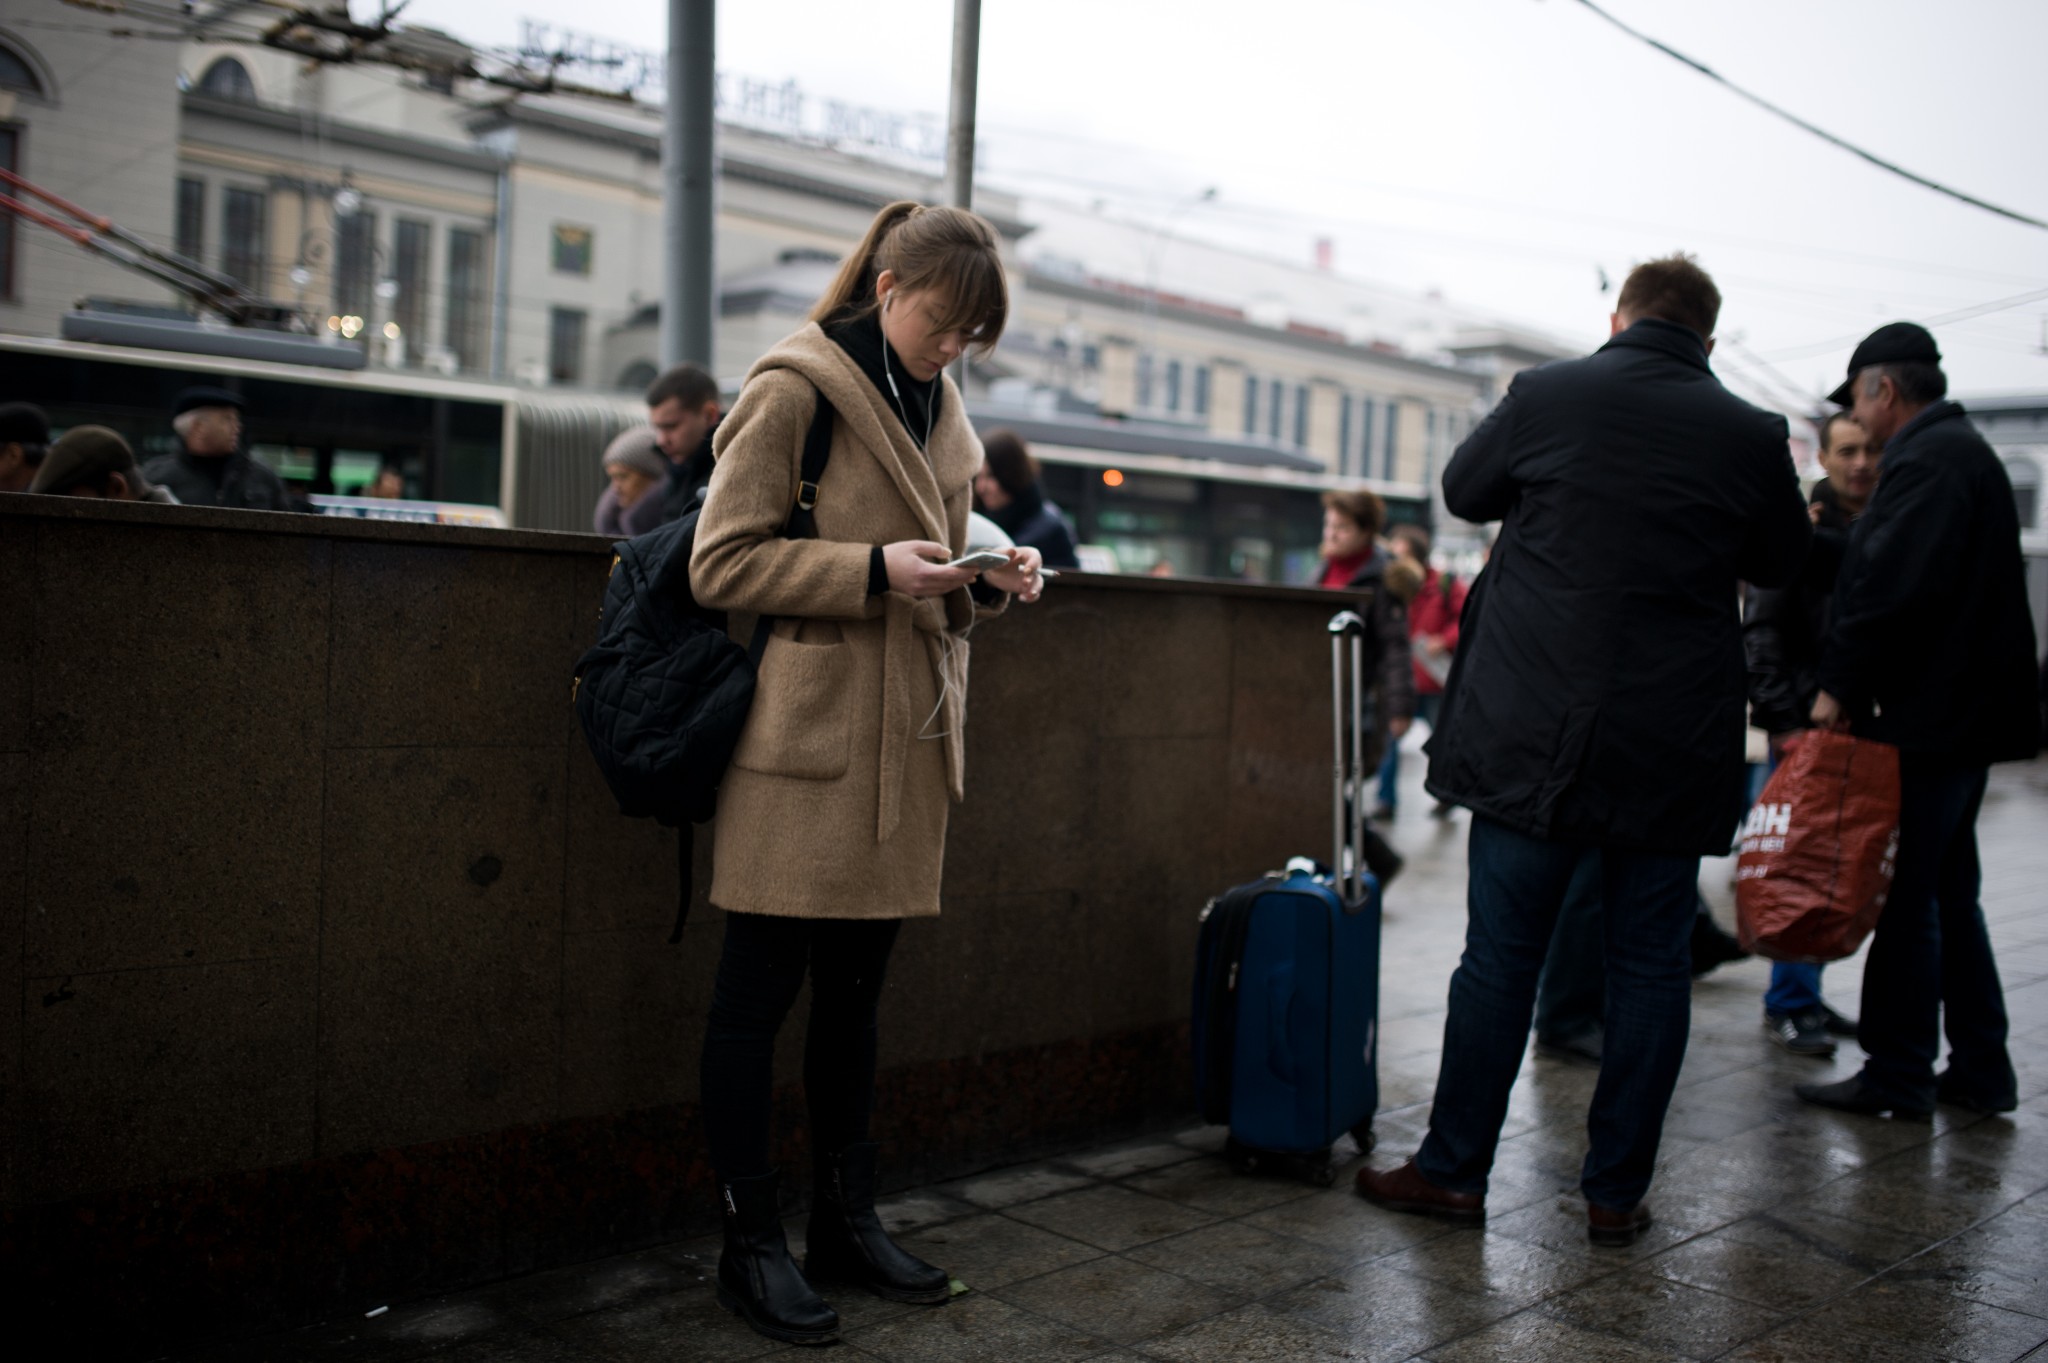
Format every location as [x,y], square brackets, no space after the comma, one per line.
[1828,424]
[1916,381]
[1363,507]
[1010,461]
[1672,289]
[688,383]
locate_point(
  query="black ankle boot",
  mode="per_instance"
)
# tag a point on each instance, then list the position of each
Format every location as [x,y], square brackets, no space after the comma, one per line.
[846,1241]
[757,1279]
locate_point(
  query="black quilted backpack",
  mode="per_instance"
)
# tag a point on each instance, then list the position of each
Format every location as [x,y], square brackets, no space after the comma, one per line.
[663,694]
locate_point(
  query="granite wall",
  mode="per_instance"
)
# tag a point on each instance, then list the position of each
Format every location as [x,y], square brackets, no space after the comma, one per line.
[341,980]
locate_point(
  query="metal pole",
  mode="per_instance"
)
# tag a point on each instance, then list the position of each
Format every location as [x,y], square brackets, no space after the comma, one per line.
[688,180]
[960,125]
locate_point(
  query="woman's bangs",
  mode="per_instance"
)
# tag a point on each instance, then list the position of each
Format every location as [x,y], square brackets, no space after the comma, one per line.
[977,297]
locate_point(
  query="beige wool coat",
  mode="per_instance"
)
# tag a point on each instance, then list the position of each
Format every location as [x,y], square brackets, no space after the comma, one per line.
[835,804]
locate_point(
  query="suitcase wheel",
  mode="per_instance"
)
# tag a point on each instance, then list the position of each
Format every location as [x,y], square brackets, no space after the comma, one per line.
[1243,1159]
[1362,1133]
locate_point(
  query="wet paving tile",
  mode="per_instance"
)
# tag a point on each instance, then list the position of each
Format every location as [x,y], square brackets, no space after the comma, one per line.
[1345,1222]
[1921,1190]
[1007,1187]
[993,1250]
[1240,1258]
[915,1210]
[1387,1314]
[1130,1157]
[622,1281]
[1119,1300]
[1663,1314]
[1806,1341]
[1212,1186]
[1252,1334]
[1534,1336]
[1939,1322]
[973,1329]
[688,1327]
[1497,1266]
[1110,1217]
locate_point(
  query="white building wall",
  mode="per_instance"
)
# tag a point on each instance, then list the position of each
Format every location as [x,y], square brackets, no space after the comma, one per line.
[103,135]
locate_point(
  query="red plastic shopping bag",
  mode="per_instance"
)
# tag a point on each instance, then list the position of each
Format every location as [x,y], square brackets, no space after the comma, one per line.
[1816,852]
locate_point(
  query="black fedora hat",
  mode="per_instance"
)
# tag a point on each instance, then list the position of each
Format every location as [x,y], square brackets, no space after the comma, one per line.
[1892,343]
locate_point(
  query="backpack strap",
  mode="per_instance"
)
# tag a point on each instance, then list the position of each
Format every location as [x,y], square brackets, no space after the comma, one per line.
[802,524]
[817,453]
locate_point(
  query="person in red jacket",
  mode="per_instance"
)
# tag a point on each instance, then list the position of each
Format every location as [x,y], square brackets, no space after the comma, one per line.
[1433,637]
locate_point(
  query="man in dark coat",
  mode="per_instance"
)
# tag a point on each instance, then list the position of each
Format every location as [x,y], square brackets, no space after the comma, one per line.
[211,468]
[1930,649]
[683,408]
[1782,628]
[1595,709]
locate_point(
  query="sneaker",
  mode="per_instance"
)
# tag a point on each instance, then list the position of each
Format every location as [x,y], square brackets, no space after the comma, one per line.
[1800,1033]
[1836,1024]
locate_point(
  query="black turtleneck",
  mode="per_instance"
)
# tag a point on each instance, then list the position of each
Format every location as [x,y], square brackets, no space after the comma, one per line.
[916,404]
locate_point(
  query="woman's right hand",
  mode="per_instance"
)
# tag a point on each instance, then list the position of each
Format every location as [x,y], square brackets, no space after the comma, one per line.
[918,568]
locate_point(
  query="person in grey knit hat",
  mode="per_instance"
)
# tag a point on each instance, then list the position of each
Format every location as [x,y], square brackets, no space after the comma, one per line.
[93,461]
[631,504]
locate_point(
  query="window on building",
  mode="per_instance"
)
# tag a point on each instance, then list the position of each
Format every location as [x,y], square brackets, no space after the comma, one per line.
[572,248]
[1251,405]
[1388,443]
[1430,427]
[1301,415]
[411,243]
[355,263]
[228,79]
[245,222]
[191,228]
[1173,385]
[1144,380]
[1367,411]
[10,159]
[2026,490]
[1276,408]
[1201,390]
[467,280]
[565,344]
[1344,435]
[1091,356]
[17,74]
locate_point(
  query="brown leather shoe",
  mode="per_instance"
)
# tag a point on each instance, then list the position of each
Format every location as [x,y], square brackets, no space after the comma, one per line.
[1616,1229]
[1406,1190]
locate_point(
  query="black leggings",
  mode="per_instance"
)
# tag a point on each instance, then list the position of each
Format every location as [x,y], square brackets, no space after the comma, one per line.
[758,977]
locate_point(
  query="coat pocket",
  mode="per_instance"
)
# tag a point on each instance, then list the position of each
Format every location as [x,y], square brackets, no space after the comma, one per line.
[798,724]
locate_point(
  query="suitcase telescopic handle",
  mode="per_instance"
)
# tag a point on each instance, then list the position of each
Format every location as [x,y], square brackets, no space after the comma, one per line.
[1347,626]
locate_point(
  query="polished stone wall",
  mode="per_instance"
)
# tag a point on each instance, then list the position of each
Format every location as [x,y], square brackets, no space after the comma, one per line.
[341,979]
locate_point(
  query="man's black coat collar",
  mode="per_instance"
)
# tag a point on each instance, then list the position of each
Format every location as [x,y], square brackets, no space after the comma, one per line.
[1931,413]
[1654,333]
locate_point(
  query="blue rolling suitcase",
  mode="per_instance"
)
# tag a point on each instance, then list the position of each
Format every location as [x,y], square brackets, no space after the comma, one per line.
[1287,974]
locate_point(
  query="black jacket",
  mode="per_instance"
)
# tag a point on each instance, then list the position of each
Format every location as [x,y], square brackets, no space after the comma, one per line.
[1035,523]
[1931,646]
[1596,695]
[1392,662]
[1782,627]
[243,483]
[686,479]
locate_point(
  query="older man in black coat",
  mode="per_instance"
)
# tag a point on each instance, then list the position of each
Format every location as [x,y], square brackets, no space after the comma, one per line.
[1930,649]
[1596,709]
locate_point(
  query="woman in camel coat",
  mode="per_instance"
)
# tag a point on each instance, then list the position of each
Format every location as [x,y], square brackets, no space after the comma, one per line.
[832,817]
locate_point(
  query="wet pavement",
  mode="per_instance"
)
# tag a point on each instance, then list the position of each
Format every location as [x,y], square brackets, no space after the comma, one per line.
[1784,1232]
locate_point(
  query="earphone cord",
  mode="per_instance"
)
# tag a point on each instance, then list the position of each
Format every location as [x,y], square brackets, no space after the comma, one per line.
[931,410]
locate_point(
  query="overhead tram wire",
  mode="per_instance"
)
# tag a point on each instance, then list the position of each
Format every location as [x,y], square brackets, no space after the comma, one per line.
[1941,319]
[1795,120]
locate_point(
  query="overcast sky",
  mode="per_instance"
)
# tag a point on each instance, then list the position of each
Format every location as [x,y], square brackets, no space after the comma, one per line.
[1502,151]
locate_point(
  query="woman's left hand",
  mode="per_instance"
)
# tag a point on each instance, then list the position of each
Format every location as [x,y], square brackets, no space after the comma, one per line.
[1022,577]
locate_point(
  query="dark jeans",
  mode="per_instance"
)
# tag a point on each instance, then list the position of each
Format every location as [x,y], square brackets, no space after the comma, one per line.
[1930,960]
[759,974]
[1571,993]
[1427,708]
[1517,884]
